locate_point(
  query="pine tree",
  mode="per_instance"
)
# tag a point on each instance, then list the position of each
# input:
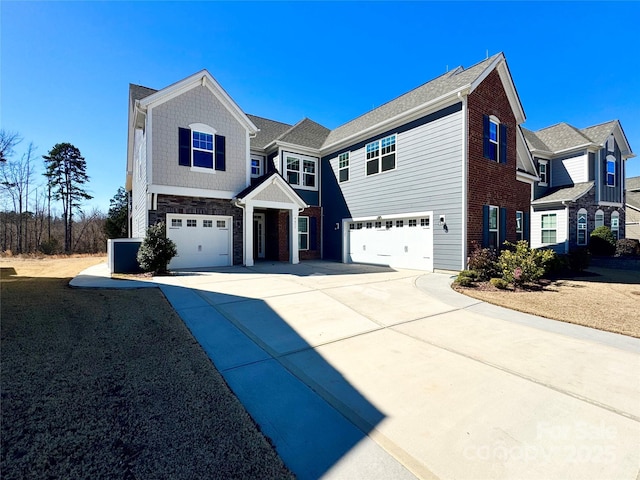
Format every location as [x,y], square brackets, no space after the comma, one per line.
[66,175]
[116,224]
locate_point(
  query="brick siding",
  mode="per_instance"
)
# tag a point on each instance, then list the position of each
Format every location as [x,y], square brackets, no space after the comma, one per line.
[490,182]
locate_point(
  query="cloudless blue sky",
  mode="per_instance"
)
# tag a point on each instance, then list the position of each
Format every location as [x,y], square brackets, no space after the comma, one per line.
[66,66]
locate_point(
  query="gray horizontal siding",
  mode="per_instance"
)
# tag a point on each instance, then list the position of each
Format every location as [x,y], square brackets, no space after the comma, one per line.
[428,177]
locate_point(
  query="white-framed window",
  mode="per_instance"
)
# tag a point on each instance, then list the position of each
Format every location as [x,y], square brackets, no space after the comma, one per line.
[257,166]
[615,224]
[192,222]
[202,144]
[201,148]
[494,147]
[599,219]
[207,223]
[388,224]
[494,213]
[301,171]
[424,222]
[176,222]
[543,172]
[548,228]
[611,171]
[520,225]
[303,233]
[343,167]
[413,222]
[381,155]
[582,227]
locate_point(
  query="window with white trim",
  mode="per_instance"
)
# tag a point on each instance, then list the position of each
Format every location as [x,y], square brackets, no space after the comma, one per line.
[548,223]
[611,171]
[494,213]
[615,224]
[493,139]
[303,233]
[582,227]
[519,225]
[257,167]
[176,222]
[207,223]
[202,145]
[201,148]
[543,172]
[301,171]
[381,155]
[191,222]
[599,219]
[343,167]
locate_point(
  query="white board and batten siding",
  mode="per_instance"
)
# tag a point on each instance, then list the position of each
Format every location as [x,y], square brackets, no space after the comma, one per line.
[427,178]
[201,240]
[139,214]
[560,245]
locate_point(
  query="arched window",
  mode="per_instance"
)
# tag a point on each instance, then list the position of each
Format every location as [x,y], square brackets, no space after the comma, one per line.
[582,227]
[599,218]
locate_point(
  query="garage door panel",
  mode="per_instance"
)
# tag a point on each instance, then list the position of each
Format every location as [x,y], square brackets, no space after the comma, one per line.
[201,240]
[403,243]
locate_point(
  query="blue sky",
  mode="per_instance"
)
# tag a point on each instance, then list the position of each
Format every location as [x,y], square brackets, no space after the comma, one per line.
[66,66]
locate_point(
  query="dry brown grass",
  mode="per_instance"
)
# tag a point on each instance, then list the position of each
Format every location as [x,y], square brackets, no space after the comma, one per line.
[111,384]
[605,299]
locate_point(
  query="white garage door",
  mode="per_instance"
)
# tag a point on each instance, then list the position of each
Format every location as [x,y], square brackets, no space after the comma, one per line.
[405,242]
[202,240]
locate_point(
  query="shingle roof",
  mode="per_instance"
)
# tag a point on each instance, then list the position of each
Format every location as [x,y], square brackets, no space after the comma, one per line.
[437,87]
[566,194]
[633,199]
[632,183]
[138,92]
[599,133]
[533,141]
[269,131]
[306,133]
[561,136]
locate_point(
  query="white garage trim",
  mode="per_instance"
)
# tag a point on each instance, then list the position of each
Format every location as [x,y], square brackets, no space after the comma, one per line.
[201,240]
[405,243]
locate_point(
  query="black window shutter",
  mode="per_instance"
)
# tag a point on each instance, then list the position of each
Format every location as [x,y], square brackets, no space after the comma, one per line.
[525,227]
[313,233]
[184,147]
[503,143]
[503,226]
[485,226]
[485,136]
[220,153]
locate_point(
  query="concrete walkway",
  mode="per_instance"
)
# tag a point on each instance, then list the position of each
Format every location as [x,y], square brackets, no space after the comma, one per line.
[368,372]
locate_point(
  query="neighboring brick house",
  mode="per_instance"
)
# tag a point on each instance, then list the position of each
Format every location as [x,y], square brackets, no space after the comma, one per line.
[632,208]
[413,183]
[581,183]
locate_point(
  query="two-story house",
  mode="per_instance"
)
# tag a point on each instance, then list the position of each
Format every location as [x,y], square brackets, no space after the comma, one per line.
[581,183]
[413,183]
[632,208]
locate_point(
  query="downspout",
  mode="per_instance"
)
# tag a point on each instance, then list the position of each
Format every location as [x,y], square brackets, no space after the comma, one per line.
[566,211]
[464,180]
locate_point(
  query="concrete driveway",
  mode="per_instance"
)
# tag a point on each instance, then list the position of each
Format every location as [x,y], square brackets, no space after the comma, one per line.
[369,372]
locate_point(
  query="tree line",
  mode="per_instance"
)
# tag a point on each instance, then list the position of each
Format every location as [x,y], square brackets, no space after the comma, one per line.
[43,213]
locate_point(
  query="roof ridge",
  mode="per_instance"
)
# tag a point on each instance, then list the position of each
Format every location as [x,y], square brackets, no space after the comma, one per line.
[601,123]
[269,119]
[290,129]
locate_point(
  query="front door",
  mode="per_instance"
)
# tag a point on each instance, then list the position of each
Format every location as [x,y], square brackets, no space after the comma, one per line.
[258,235]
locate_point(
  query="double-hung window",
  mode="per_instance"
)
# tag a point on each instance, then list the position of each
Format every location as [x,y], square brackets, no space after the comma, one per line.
[301,171]
[599,219]
[381,155]
[494,134]
[543,172]
[520,225]
[303,233]
[200,148]
[548,228]
[615,224]
[611,171]
[256,165]
[493,227]
[343,167]
[582,227]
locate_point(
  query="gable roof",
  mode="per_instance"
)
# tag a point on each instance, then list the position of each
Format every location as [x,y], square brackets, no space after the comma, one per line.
[456,80]
[271,178]
[633,200]
[561,136]
[305,133]
[138,92]
[632,184]
[566,194]
[599,133]
[269,131]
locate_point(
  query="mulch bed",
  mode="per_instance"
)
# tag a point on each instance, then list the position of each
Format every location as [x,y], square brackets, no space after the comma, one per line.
[111,384]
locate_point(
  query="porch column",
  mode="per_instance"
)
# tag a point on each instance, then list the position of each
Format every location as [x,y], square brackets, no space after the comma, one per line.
[248,235]
[294,254]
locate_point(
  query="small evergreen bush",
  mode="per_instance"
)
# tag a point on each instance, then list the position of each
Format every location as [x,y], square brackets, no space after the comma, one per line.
[484,262]
[519,264]
[602,242]
[472,274]
[499,283]
[156,250]
[627,247]
[464,281]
